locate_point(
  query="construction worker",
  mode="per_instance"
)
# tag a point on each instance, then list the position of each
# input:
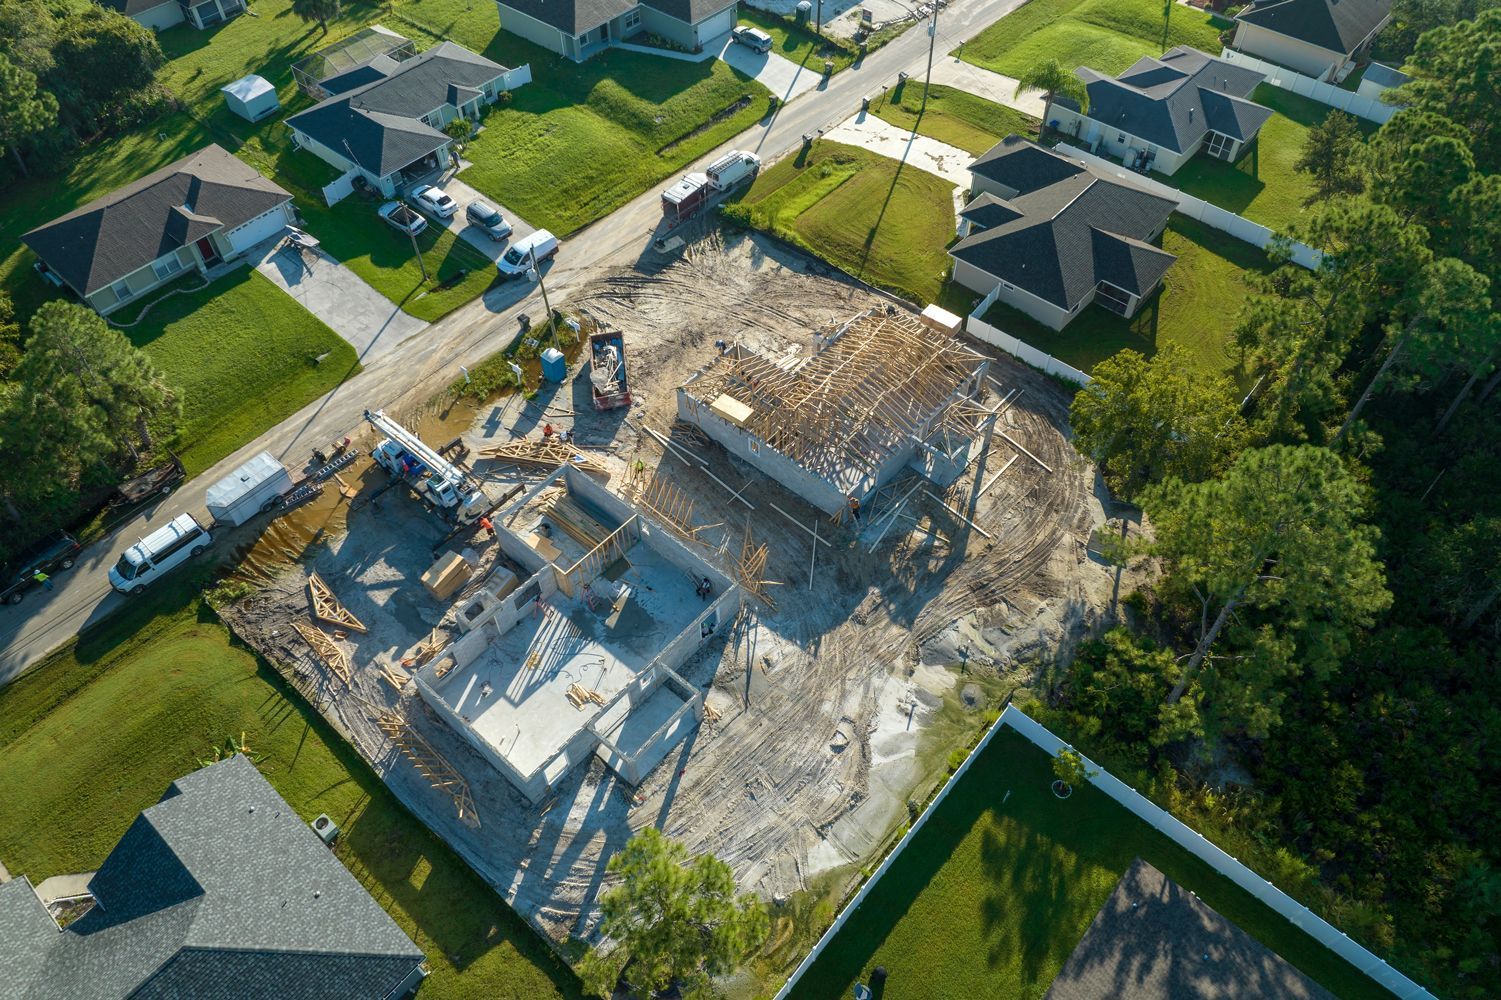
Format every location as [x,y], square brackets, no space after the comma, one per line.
[43,579]
[855,509]
[547,430]
[705,589]
[484,522]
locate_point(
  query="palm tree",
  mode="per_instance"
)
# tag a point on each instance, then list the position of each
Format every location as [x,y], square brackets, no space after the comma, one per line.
[316,10]
[1054,81]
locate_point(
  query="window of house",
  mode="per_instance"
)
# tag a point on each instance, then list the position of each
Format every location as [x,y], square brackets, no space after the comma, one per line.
[121,290]
[430,120]
[633,20]
[166,267]
[1121,138]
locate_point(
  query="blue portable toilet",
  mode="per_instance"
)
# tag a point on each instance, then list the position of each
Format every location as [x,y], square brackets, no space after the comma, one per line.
[554,368]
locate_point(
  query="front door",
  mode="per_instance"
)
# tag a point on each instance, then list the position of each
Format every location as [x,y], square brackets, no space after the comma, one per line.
[207,252]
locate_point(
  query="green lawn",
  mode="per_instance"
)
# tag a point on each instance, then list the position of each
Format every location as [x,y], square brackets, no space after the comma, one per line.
[883,222]
[243,354]
[573,146]
[953,116]
[1263,186]
[96,734]
[1105,35]
[997,889]
[576,143]
[1195,309]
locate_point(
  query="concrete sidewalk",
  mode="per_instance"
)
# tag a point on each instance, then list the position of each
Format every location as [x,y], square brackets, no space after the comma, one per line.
[778,74]
[880,136]
[337,296]
[956,73]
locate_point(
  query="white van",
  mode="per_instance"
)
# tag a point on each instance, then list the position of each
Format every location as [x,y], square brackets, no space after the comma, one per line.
[518,258]
[168,546]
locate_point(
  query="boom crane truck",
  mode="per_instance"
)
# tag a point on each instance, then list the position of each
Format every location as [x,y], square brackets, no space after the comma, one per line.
[437,480]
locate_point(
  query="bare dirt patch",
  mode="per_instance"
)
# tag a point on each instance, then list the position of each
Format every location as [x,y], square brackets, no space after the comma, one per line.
[821,705]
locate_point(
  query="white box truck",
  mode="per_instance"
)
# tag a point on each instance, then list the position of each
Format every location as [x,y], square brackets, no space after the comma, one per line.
[253,488]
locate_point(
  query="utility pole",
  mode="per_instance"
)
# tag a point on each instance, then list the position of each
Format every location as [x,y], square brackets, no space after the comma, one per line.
[932,41]
[535,274]
[418,251]
[818,20]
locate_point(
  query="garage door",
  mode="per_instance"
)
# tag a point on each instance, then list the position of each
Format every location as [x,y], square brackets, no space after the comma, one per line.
[257,229]
[713,27]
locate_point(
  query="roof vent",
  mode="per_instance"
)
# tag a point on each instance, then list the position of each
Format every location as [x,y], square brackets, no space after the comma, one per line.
[1190,114]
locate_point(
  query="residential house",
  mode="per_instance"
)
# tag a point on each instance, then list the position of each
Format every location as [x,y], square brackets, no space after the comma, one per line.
[1155,940]
[192,215]
[579,29]
[159,15]
[218,892]
[1318,38]
[384,121]
[1161,112]
[1049,236]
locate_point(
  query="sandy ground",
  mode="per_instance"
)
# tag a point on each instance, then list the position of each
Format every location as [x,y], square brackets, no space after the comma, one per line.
[824,701]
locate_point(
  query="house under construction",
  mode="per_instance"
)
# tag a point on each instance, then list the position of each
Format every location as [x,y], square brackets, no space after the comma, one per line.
[880,393]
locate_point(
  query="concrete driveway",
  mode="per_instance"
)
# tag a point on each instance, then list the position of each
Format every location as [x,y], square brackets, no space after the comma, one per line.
[337,296]
[778,74]
[473,235]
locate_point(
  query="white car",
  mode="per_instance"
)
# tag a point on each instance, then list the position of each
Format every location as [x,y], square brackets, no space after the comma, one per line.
[752,38]
[402,218]
[433,201]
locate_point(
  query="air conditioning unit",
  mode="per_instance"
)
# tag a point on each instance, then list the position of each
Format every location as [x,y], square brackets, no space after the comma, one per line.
[325,828]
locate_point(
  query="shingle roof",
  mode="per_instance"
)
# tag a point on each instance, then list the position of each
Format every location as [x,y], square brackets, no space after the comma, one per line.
[127,229]
[380,119]
[1336,25]
[132,7]
[986,210]
[1076,228]
[220,890]
[1171,102]
[1154,940]
[572,17]
[687,11]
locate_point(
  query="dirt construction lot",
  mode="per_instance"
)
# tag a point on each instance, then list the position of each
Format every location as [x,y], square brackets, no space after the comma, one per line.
[822,704]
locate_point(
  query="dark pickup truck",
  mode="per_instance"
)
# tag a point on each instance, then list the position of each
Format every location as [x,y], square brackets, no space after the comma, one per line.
[55,552]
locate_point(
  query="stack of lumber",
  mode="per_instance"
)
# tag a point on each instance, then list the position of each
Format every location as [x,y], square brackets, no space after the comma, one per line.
[545,453]
[582,696]
[330,652]
[582,526]
[446,575]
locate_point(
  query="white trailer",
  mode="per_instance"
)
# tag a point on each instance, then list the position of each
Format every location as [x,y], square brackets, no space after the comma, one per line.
[404,455]
[253,488]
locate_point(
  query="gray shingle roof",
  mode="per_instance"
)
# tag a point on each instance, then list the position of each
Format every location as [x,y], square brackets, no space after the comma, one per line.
[986,210]
[1171,102]
[1149,942]
[220,890]
[1076,228]
[572,17]
[1336,25]
[127,229]
[380,120]
[132,7]
[687,11]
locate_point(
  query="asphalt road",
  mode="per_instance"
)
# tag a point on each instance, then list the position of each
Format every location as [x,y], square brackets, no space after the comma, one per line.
[425,363]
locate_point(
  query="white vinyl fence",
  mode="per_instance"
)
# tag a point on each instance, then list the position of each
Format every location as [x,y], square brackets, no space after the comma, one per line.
[1213,216]
[996,337]
[1190,840]
[339,188]
[517,77]
[1196,844]
[1306,86]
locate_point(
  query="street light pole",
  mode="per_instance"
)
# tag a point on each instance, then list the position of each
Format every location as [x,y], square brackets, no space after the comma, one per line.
[932,42]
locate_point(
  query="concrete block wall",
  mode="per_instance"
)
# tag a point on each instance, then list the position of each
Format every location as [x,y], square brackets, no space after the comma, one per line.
[772,463]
